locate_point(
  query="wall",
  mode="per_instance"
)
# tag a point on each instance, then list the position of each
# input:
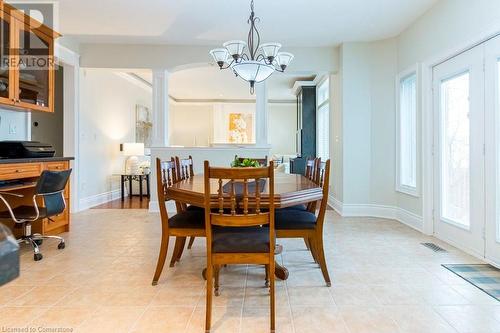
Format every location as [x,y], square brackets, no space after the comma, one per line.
[447,27]
[15,120]
[191,124]
[107,118]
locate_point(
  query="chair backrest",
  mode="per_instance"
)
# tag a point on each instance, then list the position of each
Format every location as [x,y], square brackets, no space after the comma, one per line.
[50,186]
[166,176]
[184,167]
[262,161]
[233,197]
[323,180]
[311,164]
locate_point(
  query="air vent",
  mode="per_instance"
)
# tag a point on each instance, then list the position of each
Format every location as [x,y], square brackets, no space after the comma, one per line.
[434,247]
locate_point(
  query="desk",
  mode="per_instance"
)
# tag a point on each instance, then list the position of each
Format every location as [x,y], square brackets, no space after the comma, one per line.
[130,178]
[26,172]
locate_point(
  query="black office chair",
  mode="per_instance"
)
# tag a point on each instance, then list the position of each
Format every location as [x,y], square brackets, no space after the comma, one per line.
[50,187]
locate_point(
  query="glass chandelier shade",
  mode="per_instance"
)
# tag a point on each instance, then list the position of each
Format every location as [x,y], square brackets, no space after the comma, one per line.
[260,62]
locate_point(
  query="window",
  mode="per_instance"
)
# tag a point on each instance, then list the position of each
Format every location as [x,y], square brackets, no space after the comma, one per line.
[323,120]
[407,134]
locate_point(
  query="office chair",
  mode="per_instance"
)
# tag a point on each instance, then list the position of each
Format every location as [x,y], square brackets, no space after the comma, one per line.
[50,186]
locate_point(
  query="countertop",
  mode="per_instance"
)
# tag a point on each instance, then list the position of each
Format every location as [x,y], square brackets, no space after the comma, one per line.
[34,160]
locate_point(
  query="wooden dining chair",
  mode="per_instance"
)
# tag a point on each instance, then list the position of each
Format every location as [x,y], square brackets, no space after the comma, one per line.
[262,161]
[310,173]
[306,224]
[238,230]
[185,171]
[183,224]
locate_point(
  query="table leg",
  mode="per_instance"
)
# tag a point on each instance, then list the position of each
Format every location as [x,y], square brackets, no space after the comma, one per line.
[280,271]
[122,178]
[140,187]
[130,187]
[147,187]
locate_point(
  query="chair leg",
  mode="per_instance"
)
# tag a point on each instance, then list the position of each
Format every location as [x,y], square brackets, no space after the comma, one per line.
[272,295]
[181,248]
[306,241]
[318,243]
[191,241]
[208,309]
[216,278]
[267,276]
[161,257]
[175,255]
[313,249]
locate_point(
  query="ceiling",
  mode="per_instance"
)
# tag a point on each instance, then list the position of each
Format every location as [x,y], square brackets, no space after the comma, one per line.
[211,22]
[210,83]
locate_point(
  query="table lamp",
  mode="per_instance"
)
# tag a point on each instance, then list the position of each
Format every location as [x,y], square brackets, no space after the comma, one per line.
[132,150]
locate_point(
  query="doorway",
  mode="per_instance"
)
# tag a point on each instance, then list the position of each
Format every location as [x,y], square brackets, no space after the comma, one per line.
[467,150]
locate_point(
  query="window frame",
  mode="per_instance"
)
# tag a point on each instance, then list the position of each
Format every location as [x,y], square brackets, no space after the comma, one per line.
[319,106]
[404,188]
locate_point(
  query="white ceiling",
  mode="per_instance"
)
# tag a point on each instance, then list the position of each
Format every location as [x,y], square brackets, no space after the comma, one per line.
[210,83]
[210,22]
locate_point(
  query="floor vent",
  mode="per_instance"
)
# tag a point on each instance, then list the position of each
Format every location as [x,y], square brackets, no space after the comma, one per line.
[434,247]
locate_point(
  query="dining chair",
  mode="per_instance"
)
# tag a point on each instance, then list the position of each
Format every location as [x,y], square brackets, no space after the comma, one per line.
[262,161]
[306,224]
[185,223]
[238,230]
[310,173]
[185,171]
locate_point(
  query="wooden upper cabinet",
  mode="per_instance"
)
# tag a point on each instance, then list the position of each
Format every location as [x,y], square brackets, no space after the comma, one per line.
[27,68]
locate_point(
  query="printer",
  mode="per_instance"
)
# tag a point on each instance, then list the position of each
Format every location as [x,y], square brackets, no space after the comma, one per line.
[25,149]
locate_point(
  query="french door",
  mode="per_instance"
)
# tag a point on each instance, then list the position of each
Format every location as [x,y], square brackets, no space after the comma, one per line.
[492,134]
[467,150]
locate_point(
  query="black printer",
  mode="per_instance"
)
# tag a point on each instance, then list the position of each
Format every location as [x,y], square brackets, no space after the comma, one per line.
[25,149]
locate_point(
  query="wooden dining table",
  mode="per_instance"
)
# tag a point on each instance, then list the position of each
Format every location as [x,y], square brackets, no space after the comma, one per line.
[289,190]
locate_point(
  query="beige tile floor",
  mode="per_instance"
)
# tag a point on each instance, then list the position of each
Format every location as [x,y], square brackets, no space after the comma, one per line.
[383,281]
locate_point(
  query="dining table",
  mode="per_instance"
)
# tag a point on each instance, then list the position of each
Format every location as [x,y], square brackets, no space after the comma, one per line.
[289,190]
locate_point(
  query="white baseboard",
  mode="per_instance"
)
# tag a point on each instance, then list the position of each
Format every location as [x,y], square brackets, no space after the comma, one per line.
[98,199]
[370,210]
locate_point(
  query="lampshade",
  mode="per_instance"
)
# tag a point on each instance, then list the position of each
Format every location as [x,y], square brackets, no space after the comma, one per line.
[219,55]
[284,59]
[235,47]
[253,71]
[133,149]
[270,50]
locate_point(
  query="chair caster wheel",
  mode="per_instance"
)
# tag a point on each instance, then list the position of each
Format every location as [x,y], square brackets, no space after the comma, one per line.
[61,246]
[38,241]
[37,256]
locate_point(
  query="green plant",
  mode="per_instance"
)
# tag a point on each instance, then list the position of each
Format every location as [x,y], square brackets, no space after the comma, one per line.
[245,163]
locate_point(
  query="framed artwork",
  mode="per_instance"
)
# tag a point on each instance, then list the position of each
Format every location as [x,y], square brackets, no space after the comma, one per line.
[143,125]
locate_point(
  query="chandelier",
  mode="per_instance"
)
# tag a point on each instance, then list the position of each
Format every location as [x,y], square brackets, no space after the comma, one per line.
[259,63]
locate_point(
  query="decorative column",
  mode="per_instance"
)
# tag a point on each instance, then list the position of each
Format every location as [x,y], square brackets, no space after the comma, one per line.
[261,115]
[160,108]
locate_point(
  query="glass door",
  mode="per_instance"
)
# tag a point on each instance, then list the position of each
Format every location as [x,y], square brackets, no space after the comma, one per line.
[458,86]
[35,76]
[492,130]
[6,71]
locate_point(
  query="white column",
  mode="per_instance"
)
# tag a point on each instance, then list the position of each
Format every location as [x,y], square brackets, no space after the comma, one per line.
[160,108]
[261,115]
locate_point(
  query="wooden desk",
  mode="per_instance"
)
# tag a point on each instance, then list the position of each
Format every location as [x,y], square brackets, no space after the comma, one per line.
[27,172]
[289,190]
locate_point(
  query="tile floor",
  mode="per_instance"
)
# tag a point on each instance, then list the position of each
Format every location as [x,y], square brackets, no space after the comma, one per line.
[383,281]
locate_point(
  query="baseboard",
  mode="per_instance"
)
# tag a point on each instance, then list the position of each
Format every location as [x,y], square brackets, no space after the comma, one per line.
[98,199]
[382,211]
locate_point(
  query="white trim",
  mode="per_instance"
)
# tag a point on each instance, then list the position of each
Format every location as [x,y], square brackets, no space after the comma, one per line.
[381,211]
[98,199]
[406,189]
